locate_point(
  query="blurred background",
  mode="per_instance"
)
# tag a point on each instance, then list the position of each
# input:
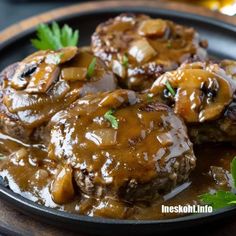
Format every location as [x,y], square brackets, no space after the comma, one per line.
[12,11]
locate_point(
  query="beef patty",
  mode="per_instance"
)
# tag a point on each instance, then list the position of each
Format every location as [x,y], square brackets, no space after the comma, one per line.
[138,48]
[119,147]
[33,90]
[203,94]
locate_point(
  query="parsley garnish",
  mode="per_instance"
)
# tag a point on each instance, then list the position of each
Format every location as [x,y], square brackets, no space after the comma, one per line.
[110,117]
[2,157]
[218,200]
[55,38]
[169,44]
[233,170]
[221,198]
[149,97]
[169,87]
[91,68]
[125,60]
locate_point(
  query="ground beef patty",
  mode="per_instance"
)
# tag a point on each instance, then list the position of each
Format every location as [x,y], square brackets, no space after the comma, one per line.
[138,48]
[204,95]
[9,122]
[34,89]
[135,152]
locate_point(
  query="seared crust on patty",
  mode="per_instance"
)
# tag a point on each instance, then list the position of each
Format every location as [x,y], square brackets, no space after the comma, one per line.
[204,95]
[42,84]
[142,158]
[9,122]
[138,48]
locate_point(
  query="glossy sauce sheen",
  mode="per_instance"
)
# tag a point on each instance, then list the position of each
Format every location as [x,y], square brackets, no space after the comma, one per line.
[41,86]
[28,177]
[115,155]
[75,141]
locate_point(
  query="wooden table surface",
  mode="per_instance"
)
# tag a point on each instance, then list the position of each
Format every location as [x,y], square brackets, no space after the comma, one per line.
[14,222]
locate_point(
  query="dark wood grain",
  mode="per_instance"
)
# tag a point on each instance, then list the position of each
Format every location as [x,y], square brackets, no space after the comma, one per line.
[16,222]
[77,8]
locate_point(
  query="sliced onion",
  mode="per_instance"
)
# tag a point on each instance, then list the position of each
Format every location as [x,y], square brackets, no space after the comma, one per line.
[62,188]
[155,27]
[118,69]
[142,51]
[103,137]
[165,139]
[74,73]
[117,98]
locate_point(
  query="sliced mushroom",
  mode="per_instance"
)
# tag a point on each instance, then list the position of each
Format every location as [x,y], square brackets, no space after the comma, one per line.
[37,72]
[43,78]
[201,93]
[34,109]
[21,76]
[62,187]
[220,175]
[20,101]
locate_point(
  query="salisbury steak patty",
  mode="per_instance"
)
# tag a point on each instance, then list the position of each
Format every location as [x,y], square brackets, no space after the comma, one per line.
[9,123]
[136,152]
[138,48]
[203,94]
[33,90]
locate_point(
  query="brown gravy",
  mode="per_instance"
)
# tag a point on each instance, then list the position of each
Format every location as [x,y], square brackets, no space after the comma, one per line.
[27,177]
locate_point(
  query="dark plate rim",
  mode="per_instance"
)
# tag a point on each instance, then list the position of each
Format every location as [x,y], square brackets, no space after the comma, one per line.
[123,8]
[15,198]
[38,209]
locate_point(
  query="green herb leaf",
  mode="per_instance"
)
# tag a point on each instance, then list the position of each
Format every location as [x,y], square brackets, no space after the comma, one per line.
[54,38]
[169,87]
[169,44]
[233,170]
[125,60]
[218,200]
[232,202]
[110,117]
[222,198]
[91,68]
[2,157]
[68,37]
[149,97]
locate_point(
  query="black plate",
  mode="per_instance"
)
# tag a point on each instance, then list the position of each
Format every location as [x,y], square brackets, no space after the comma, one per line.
[221,37]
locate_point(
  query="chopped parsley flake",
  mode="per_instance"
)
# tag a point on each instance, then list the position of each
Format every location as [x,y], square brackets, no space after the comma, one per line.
[111,118]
